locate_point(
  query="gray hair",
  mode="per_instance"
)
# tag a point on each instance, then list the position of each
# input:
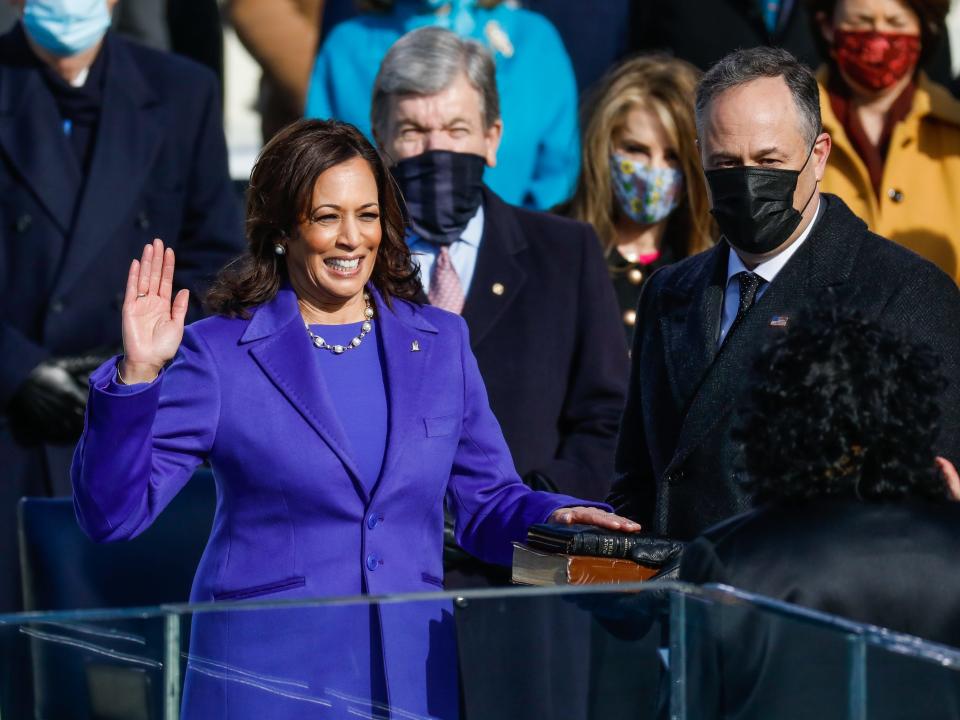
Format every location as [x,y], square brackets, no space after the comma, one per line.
[743,66]
[427,61]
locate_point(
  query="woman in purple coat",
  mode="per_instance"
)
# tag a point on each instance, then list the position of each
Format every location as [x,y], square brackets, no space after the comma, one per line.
[338,416]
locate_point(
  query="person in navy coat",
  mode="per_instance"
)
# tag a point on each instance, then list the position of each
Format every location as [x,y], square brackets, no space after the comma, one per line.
[338,417]
[103,145]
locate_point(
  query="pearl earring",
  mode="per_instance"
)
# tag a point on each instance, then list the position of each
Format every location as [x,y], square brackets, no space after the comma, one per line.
[279,249]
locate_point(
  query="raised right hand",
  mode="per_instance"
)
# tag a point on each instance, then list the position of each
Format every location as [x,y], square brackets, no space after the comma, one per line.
[152,324]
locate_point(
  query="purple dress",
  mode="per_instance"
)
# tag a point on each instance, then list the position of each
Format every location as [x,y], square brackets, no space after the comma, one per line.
[295,518]
[357,390]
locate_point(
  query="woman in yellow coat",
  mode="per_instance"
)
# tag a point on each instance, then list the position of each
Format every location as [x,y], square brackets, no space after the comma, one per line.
[896,134]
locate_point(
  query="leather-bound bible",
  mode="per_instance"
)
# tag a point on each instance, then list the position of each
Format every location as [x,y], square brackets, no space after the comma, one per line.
[598,542]
[533,567]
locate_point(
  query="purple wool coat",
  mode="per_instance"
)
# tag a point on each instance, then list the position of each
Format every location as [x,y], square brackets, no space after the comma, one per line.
[293,519]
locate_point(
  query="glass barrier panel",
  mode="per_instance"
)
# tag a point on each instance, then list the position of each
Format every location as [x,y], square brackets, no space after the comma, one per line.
[648,651]
[906,677]
[745,661]
[100,666]
[746,656]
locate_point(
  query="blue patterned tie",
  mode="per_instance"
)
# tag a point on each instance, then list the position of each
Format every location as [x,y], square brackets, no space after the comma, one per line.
[749,285]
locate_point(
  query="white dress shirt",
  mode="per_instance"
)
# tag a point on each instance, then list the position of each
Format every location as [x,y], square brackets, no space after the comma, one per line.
[767,270]
[463,253]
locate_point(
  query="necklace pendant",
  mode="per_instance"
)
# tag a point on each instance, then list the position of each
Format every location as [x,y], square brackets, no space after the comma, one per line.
[337,349]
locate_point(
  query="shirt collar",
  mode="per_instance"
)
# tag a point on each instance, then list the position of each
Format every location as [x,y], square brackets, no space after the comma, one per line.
[769,269]
[474,230]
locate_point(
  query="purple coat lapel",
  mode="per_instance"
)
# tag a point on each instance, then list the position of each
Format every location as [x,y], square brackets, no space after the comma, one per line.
[402,330]
[284,353]
[282,349]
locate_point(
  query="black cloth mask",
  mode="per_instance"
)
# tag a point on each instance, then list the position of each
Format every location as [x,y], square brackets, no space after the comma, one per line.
[753,206]
[442,191]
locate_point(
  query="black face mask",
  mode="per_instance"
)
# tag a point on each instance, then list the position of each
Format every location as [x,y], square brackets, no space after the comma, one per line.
[754,206]
[442,190]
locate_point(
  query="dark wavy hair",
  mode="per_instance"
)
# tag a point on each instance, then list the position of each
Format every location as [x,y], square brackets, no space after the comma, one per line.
[841,407]
[279,197]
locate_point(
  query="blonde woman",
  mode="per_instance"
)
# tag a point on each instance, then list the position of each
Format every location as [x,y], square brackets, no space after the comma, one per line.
[641,185]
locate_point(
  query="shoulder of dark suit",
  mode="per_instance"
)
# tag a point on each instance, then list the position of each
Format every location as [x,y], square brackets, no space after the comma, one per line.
[843,232]
[165,68]
[540,227]
[161,69]
[840,237]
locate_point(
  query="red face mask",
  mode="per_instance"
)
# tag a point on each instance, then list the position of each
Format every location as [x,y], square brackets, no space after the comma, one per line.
[875,60]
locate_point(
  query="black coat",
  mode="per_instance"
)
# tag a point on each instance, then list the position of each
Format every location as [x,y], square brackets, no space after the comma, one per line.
[550,347]
[891,565]
[701,32]
[676,466]
[158,169]
[545,328]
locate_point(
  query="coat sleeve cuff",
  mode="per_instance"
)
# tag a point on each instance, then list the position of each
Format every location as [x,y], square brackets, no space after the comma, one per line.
[106,381]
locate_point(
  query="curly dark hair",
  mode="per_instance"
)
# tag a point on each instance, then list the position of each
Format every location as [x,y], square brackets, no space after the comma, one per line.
[841,407]
[932,15]
[278,198]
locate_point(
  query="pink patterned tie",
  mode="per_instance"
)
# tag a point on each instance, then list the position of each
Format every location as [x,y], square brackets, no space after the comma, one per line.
[446,292]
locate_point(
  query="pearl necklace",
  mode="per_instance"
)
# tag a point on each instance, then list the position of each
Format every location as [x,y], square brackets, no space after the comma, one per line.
[339,349]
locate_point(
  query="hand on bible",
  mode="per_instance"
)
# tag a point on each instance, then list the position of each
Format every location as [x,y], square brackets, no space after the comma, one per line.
[152,318]
[593,516]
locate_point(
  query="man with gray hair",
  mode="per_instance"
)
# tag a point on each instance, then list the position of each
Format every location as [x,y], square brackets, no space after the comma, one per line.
[544,326]
[702,322]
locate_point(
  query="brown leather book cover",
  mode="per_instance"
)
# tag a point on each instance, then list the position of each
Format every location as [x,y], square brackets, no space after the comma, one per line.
[532,567]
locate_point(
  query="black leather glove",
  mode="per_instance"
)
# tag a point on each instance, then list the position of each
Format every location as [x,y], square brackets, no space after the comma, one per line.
[80,366]
[48,406]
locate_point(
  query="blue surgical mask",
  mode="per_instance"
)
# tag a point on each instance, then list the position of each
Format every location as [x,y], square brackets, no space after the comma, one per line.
[66,27]
[646,194]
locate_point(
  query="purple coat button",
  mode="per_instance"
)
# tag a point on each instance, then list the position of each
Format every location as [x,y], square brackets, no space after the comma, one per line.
[372,562]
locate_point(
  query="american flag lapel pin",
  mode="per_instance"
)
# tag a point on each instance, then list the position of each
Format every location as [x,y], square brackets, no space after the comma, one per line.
[779,321]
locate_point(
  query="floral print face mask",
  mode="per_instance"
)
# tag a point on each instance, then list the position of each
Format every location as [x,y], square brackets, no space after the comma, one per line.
[646,194]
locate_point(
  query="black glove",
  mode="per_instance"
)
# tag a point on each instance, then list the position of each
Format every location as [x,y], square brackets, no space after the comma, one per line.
[48,406]
[80,366]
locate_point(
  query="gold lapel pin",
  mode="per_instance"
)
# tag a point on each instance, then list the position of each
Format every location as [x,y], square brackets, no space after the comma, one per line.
[415,346]
[498,288]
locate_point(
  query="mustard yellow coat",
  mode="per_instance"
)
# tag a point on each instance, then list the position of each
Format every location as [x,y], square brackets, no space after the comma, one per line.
[919,205]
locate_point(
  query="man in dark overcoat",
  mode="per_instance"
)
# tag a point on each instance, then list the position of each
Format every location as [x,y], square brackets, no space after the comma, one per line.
[702,322]
[104,145]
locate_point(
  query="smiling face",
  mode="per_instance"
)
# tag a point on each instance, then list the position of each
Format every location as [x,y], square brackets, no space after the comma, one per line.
[332,256]
[451,119]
